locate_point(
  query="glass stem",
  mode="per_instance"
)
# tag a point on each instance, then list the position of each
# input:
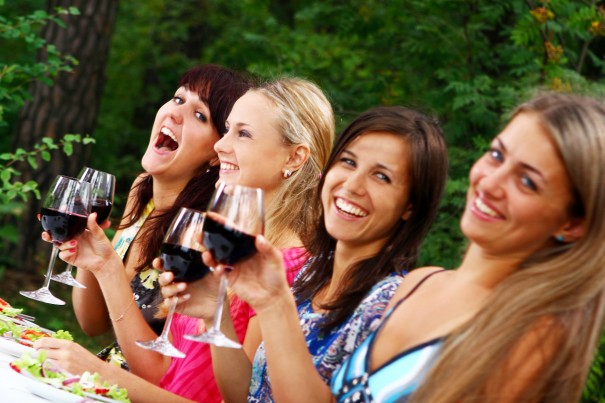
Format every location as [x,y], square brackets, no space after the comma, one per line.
[51,265]
[69,268]
[218,314]
[171,309]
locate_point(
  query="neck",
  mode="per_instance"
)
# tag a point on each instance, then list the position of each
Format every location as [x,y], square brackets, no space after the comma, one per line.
[166,192]
[486,270]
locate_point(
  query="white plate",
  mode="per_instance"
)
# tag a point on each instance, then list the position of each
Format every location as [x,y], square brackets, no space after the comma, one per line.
[49,392]
[15,349]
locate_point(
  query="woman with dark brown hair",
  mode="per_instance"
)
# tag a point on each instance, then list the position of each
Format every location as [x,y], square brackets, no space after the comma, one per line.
[181,169]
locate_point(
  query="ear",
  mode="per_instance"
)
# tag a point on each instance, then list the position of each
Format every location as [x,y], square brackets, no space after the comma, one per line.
[407,213]
[299,154]
[572,230]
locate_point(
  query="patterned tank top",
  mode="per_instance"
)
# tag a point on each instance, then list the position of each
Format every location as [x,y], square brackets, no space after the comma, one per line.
[145,289]
[395,380]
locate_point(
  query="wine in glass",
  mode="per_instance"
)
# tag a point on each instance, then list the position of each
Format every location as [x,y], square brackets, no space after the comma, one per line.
[181,254]
[64,213]
[234,217]
[102,190]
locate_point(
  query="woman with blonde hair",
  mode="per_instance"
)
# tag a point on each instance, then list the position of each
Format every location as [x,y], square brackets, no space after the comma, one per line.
[521,317]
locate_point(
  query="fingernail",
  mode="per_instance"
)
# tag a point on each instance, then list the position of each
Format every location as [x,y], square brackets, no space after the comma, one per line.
[186,297]
[181,286]
[73,250]
[72,243]
[228,269]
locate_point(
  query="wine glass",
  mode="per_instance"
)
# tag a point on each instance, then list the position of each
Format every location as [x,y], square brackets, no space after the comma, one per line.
[234,217]
[181,254]
[64,213]
[102,188]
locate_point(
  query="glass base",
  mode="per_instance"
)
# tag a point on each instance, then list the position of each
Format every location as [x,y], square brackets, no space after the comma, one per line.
[43,295]
[67,278]
[161,346]
[215,338]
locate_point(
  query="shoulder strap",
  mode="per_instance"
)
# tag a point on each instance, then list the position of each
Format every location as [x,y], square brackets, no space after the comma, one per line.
[416,287]
[129,233]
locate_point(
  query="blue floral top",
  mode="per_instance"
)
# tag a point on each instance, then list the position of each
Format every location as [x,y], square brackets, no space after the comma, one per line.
[329,350]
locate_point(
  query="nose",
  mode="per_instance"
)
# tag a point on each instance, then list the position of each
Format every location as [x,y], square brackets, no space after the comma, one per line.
[491,181]
[355,183]
[176,114]
[223,145]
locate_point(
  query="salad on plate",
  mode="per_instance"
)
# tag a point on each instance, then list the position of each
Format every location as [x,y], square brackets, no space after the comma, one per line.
[87,385]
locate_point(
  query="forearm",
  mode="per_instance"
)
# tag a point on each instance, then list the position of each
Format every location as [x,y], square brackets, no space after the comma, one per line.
[139,390]
[89,305]
[293,375]
[129,326]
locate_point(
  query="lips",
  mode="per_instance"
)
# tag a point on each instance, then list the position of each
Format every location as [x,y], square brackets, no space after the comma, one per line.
[350,209]
[227,166]
[166,140]
[484,208]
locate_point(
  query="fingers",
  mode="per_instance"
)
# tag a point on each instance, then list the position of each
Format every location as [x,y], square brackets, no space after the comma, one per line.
[49,343]
[165,278]
[105,224]
[93,227]
[209,259]
[158,264]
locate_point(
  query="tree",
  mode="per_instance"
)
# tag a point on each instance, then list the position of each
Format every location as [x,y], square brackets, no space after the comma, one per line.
[70,105]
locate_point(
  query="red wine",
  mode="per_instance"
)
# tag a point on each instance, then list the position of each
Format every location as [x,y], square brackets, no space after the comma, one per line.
[227,244]
[185,263]
[62,226]
[102,208]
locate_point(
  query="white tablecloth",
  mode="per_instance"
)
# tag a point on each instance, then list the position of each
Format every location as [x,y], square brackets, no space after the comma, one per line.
[13,387]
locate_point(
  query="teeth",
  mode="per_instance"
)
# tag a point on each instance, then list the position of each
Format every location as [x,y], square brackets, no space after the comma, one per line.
[482,207]
[169,133]
[226,166]
[349,208]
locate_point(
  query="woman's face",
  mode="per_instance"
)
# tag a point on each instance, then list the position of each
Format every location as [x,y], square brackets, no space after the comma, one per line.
[520,194]
[182,138]
[366,191]
[252,152]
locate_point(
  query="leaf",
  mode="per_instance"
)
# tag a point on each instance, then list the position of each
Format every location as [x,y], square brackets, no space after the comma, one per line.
[31,160]
[45,155]
[68,149]
[74,11]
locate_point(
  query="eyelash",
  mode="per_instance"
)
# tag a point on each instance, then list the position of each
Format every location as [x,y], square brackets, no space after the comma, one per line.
[348,161]
[526,181]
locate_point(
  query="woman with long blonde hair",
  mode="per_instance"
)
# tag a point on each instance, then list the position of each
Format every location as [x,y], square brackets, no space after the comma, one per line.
[521,317]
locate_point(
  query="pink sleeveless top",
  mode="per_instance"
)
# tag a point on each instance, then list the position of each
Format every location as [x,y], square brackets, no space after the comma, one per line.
[192,376]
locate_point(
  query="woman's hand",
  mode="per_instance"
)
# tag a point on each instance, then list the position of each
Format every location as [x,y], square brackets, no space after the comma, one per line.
[259,279]
[91,250]
[70,356]
[196,299]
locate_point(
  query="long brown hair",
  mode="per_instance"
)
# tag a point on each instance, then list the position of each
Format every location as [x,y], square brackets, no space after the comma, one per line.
[219,88]
[560,290]
[427,159]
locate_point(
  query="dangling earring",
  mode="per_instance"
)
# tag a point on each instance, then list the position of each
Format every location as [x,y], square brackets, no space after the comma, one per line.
[560,238]
[287,173]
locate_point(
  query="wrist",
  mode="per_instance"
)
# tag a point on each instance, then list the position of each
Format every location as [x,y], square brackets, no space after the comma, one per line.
[279,302]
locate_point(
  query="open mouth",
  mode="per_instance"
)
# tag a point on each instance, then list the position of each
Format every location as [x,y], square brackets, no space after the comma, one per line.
[166,140]
[350,209]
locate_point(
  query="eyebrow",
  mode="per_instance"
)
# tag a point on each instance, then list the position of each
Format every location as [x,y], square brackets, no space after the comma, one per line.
[379,165]
[523,164]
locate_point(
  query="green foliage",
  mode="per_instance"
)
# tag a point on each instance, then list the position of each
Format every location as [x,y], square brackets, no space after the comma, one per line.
[11,188]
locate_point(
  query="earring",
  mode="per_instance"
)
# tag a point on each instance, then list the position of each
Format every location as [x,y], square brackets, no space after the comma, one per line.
[287,173]
[560,238]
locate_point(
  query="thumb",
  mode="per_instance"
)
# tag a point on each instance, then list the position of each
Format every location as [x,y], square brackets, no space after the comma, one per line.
[92,225]
[265,248]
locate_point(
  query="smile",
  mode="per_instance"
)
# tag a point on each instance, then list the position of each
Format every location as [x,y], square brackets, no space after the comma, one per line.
[167,140]
[482,207]
[349,208]
[227,166]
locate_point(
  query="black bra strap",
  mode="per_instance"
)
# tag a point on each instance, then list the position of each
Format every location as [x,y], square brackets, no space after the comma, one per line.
[416,287]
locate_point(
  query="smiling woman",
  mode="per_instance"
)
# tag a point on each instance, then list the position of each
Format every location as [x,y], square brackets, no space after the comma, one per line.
[181,168]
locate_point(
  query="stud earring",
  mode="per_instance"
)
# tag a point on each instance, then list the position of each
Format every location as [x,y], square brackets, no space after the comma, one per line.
[560,238]
[287,173]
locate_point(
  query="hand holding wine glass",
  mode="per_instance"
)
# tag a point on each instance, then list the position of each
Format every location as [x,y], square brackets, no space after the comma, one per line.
[234,217]
[64,213]
[102,189]
[181,254]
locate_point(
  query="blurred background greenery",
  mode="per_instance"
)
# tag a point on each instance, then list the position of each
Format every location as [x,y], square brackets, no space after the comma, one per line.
[102,68]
